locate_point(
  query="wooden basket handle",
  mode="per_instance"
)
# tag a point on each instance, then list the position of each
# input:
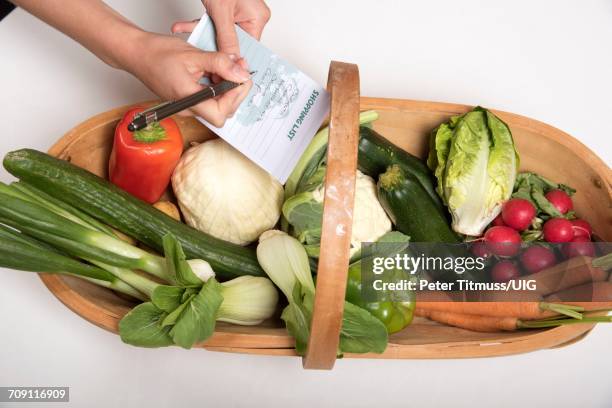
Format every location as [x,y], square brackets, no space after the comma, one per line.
[339,198]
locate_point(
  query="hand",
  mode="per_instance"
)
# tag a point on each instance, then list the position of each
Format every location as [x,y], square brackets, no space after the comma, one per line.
[250,15]
[171,68]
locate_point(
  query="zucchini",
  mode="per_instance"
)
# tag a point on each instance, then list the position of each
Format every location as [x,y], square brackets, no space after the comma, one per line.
[408,206]
[404,200]
[124,212]
[376,153]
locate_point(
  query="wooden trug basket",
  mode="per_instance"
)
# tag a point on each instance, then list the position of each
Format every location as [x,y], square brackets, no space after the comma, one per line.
[543,149]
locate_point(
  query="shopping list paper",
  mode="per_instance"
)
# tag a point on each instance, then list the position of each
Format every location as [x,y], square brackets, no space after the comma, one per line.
[282,112]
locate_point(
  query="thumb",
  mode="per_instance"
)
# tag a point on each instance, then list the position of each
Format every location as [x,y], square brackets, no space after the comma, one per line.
[223,65]
[181,27]
[227,40]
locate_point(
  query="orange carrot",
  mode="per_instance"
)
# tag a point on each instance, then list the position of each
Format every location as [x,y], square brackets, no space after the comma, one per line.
[478,296]
[486,324]
[521,310]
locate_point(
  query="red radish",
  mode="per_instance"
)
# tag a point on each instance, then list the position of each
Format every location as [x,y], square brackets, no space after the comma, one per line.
[518,213]
[480,249]
[560,200]
[581,228]
[578,246]
[558,230]
[503,241]
[536,258]
[498,221]
[504,271]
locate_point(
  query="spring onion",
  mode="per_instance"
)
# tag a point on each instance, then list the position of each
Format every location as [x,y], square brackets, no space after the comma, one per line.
[24,253]
[59,231]
[59,207]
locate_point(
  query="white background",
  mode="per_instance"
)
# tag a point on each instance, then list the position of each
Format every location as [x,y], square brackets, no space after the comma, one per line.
[551,60]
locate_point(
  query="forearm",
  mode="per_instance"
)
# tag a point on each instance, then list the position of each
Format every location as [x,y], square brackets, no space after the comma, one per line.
[92,23]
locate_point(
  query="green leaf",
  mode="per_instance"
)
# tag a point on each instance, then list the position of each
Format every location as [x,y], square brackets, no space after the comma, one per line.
[465,176]
[315,180]
[197,321]
[503,161]
[361,332]
[173,316]
[167,298]
[542,204]
[313,250]
[475,163]
[439,147]
[297,316]
[189,291]
[176,263]
[304,211]
[533,187]
[393,242]
[142,327]
[570,191]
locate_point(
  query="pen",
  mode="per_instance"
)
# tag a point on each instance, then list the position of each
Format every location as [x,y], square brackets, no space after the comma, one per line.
[163,110]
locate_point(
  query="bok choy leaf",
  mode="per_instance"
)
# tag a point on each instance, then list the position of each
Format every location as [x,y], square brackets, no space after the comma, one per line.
[285,261]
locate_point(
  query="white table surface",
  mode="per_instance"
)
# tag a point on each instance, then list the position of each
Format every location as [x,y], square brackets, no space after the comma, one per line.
[549,60]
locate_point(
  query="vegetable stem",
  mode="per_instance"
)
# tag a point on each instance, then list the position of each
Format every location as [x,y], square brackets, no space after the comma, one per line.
[60,208]
[153,264]
[130,277]
[118,286]
[34,219]
[6,189]
[22,252]
[389,179]
[521,324]
[150,134]
[568,310]
[603,262]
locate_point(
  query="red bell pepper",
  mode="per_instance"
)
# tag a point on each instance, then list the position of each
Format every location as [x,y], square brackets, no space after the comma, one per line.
[142,162]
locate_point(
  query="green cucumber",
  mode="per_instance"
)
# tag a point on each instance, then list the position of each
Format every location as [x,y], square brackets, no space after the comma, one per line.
[376,153]
[124,212]
[408,206]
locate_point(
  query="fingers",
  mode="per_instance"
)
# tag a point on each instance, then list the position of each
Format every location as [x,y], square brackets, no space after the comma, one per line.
[227,40]
[255,26]
[216,111]
[223,65]
[242,62]
[181,27]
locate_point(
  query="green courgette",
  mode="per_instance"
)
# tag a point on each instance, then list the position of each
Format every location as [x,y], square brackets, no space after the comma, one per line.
[376,153]
[113,206]
[408,206]
[404,200]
